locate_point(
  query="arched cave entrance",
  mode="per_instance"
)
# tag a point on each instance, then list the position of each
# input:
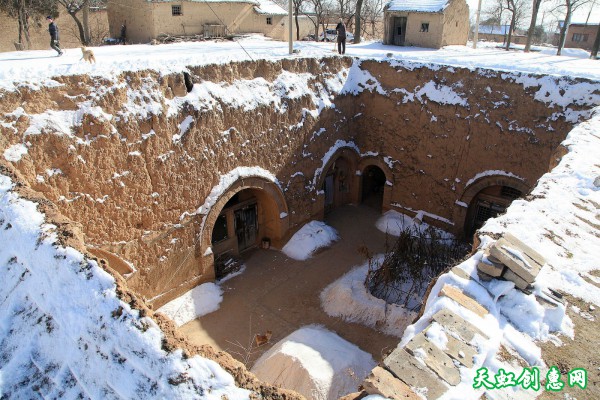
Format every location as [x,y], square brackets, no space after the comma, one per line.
[489,203]
[373,185]
[250,214]
[336,184]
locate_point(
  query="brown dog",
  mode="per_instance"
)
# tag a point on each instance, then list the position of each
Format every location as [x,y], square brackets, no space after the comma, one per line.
[88,55]
[259,340]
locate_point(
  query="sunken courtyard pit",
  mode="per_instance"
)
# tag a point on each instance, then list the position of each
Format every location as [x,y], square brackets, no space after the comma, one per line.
[166,182]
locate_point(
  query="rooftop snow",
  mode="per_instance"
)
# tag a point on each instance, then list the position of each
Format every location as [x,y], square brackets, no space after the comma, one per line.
[431,6]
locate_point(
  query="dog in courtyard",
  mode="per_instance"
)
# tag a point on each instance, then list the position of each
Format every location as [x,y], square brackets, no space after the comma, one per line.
[88,55]
[259,340]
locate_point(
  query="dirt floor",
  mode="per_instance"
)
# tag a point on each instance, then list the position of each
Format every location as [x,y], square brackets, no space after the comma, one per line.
[279,294]
[577,353]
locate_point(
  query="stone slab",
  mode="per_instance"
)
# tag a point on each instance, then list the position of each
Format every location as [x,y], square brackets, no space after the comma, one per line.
[489,266]
[435,358]
[459,350]
[455,323]
[534,255]
[483,276]
[383,383]
[519,282]
[460,272]
[464,300]
[525,267]
[414,374]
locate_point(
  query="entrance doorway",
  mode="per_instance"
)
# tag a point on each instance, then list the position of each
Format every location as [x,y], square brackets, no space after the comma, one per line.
[336,185]
[246,226]
[488,203]
[399,31]
[373,184]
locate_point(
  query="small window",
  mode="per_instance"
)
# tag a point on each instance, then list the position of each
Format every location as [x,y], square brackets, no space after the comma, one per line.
[176,10]
[399,31]
[220,230]
[580,37]
[269,21]
[425,27]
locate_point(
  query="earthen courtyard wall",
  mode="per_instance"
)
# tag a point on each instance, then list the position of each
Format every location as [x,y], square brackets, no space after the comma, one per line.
[135,191]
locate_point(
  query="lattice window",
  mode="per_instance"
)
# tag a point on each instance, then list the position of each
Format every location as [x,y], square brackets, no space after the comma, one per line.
[176,10]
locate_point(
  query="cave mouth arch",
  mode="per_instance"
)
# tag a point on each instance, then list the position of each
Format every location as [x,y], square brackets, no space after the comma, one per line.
[373,187]
[252,212]
[488,198]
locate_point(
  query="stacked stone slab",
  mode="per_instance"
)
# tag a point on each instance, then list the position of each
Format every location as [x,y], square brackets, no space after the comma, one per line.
[423,366]
[511,259]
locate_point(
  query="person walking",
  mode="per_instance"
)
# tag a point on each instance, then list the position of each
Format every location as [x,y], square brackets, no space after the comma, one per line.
[341,36]
[54,37]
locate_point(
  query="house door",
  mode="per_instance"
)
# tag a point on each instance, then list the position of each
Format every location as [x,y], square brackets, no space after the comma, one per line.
[399,30]
[246,226]
[328,188]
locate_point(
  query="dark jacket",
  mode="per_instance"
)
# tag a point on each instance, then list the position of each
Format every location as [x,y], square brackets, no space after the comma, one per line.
[341,30]
[53,29]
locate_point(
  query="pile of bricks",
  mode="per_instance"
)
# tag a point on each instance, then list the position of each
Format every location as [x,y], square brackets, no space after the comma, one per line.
[511,259]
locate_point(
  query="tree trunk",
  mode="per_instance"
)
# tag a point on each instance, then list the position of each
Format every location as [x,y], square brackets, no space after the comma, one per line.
[79,27]
[510,29]
[534,14]
[297,25]
[359,4]
[563,31]
[86,22]
[596,45]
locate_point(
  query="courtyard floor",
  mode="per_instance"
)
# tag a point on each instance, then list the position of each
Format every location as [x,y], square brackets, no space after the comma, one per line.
[280,294]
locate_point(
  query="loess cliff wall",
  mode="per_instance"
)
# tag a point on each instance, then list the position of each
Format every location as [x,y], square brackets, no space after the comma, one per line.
[143,167]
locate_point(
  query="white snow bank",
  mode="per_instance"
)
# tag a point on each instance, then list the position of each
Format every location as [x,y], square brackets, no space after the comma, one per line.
[349,299]
[65,334]
[393,223]
[199,301]
[311,237]
[316,363]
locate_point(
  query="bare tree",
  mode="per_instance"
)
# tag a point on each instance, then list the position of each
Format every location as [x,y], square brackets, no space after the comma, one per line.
[570,6]
[518,11]
[371,15]
[24,11]
[321,8]
[530,32]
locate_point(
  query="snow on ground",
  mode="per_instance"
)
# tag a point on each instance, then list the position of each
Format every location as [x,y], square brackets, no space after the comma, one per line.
[393,223]
[37,67]
[349,299]
[315,362]
[201,300]
[311,237]
[65,334]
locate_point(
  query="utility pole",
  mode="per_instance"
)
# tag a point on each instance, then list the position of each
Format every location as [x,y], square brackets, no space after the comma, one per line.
[476,33]
[290,37]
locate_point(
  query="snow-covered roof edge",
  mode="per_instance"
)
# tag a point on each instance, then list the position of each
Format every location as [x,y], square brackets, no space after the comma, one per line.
[421,6]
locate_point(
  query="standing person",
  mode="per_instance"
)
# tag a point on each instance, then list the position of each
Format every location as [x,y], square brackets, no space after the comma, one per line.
[53,29]
[341,36]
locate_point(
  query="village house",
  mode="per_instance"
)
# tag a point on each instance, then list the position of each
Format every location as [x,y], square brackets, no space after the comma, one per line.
[499,34]
[581,36]
[427,23]
[147,19]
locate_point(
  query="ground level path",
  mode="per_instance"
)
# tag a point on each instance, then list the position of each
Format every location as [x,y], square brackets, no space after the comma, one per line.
[279,294]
